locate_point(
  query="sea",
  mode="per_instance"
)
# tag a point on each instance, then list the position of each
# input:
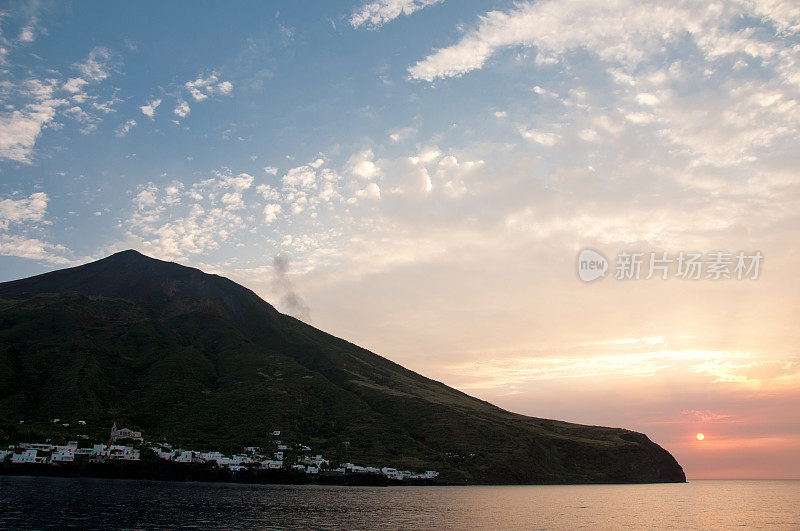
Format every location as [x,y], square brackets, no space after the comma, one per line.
[44,503]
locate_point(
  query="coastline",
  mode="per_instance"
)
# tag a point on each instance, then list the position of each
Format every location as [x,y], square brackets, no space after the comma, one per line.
[198,472]
[204,472]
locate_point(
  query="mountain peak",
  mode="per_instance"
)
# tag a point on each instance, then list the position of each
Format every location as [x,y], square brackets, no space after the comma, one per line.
[128,254]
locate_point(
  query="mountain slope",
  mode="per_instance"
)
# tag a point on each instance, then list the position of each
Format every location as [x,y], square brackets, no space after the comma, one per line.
[203,361]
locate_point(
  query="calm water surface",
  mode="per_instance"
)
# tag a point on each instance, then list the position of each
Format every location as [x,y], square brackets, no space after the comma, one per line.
[102,504]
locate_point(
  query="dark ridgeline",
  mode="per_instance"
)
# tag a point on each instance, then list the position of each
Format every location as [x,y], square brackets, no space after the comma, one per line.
[202,361]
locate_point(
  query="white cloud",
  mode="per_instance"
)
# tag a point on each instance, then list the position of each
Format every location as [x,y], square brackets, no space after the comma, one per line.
[105,106]
[149,109]
[203,87]
[624,32]
[75,84]
[241,182]
[232,200]
[267,192]
[31,105]
[225,87]
[427,155]
[97,65]
[31,208]
[361,164]
[540,137]
[26,34]
[396,135]
[197,94]
[33,248]
[374,14]
[270,170]
[20,216]
[271,212]
[76,113]
[125,128]
[19,128]
[182,110]
[307,177]
[176,221]
[371,192]
[146,197]
[646,98]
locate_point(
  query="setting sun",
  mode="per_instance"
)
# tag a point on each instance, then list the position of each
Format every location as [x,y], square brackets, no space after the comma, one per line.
[700,436]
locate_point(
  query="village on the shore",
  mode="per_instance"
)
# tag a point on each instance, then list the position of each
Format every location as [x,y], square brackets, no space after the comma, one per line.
[126,445]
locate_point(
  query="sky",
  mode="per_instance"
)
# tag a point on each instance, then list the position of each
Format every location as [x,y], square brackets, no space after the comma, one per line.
[421,176]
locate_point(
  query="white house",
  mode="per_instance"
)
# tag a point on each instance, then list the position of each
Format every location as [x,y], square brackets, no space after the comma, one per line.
[27,456]
[63,454]
[390,473]
[123,453]
[183,456]
[316,460]
[211,456]
[272,465]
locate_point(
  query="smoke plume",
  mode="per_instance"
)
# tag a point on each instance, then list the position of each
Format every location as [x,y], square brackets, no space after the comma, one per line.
[291,301]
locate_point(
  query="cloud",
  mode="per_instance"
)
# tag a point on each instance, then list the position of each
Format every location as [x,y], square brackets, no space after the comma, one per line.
[75,84]
[34,249]
[397,135]
[19,128]
[77,113]
[31,208]
[149,109]
[555,27]
[125,128]
[31,99]
[232,201]
[203,87]
[97,65]
[225,87]
[241,182]
[372,192]
[182,110]
[106,106]
[26,34]
[178,220]
[271,212]
[361,165]
[267,192]
[23,215]
[540,137]
[374,14]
